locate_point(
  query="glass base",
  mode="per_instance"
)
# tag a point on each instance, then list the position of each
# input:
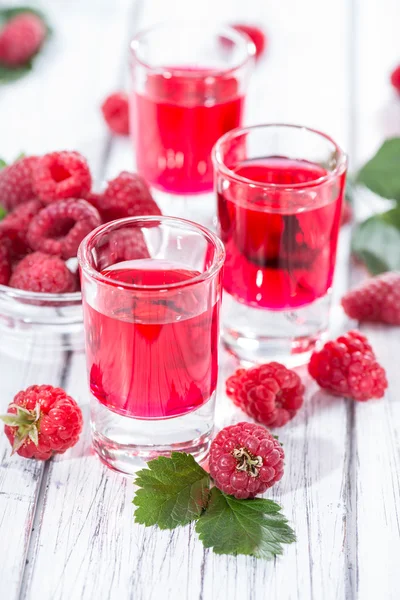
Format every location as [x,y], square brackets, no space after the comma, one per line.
[256,336]
[125,444]
[199,208]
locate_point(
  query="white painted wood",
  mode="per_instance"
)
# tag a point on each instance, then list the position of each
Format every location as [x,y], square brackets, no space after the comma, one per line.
[340,489]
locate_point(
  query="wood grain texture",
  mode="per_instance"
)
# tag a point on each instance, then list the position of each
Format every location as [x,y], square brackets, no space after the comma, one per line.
[72,520]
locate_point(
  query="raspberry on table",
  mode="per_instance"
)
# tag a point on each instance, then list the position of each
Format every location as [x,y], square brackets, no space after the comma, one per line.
[60,227]
[256,35]
[245,460]
[5,263]
[348,367]
[61,175]
[14,226]
[271,394]
[16,183]
[115,109]
[395,79]
[21,38]
[39,272]
[377,299]
[42,421]
[127,195]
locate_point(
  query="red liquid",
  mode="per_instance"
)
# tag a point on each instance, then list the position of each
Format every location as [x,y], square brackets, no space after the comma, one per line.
[152,358]
[175,124]
[280,260]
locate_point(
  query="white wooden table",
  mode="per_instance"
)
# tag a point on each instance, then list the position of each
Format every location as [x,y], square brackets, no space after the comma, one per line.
[66,526]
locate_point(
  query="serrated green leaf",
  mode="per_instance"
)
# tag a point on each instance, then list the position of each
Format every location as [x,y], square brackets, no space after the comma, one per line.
[173,491]
[381,174]
[8,74]
[252,527]
[376,242]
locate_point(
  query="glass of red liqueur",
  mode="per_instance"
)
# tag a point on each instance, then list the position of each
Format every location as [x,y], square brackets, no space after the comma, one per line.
[189,85]
[279,192]
[151,289]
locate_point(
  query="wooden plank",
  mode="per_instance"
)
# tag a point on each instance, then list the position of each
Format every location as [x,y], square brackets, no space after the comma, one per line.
[86,522]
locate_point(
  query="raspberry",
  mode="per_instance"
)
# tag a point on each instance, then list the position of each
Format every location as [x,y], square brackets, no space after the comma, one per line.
[256,35]
[245,460]
[347,213]
[124,244]
[60,227]
[5,263]
[14,226]
[40,272]
[21,38]
[16,183]
[270,393]
[377,299]
[42,421]
[61,175]
[115,111]
[127,195]
[395,79]
[348,367]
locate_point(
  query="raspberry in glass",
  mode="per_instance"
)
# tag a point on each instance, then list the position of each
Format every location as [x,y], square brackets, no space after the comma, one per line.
[61,175]
[245,460]
[348,367]
[60,227]
[14,227]
[39,272]
[42,421]
[16,183]
[256,35]
[377,300]
[271,394]
[127,195]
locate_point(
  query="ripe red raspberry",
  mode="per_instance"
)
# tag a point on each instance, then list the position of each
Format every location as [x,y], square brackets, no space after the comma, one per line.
[270,393]
[16,183]
[42,421]
[245,460]
[377,299]
[61,175]
[256,35]
[348,367]
[347,213]
[40,272]
[5,263]
[124,244]
[127,195]
[395,79]
[14,226]
[21,38]
[60,227]
[115,109]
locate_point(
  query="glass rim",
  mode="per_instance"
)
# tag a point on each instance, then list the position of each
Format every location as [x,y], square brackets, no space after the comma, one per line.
[84,264]
[237,37]
[17,294]
[220,165]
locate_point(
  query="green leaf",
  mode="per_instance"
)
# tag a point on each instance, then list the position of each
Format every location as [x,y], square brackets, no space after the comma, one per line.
[2,212]
[376,242]
[2,163]
[382,173]
[253,527]
[8,74]
[173,491]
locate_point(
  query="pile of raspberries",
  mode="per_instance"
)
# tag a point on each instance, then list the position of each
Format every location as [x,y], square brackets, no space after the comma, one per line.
[50,208]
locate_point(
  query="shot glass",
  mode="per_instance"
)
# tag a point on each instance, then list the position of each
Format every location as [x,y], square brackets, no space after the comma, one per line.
[280,191]
[151,289]
[189,85]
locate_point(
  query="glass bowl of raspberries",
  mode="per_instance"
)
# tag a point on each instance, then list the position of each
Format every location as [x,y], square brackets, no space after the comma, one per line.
[49,207]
